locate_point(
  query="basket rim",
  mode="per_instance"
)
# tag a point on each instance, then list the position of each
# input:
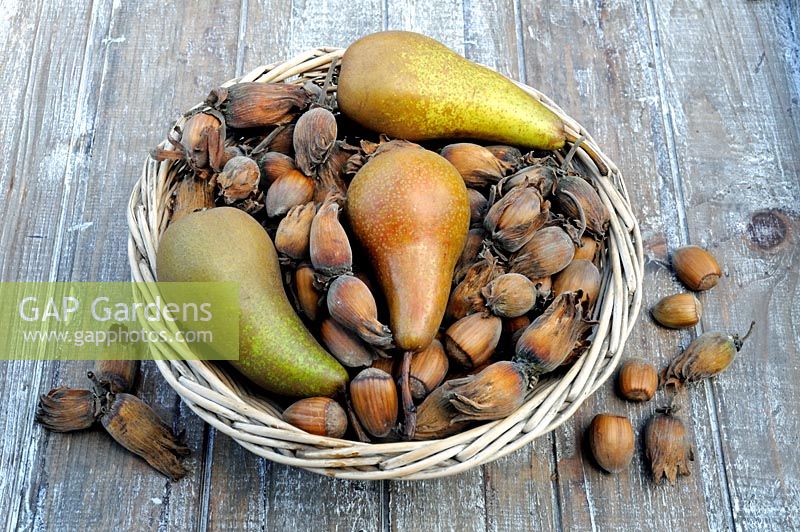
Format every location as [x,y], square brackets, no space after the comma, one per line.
[255,423]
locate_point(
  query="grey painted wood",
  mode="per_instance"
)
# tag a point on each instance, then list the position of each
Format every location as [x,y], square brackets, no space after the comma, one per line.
[741,201]
[696,101]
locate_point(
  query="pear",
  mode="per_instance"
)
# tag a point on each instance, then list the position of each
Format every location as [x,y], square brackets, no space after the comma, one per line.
[410,86]
[276,351]
[408,208]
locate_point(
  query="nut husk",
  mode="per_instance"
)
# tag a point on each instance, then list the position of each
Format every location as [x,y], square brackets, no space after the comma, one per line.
[708,355]
[273,165]
[552,337]
[330,249]
[494,393]
[543,177]
[374,397]
[478,204]
[191,195]
[308,297]
[477,165]
[549,251]
[677,311]
[513,219]
[611,441]
[120,375]
[202,134]
[428,369]
[667,448]
[352,305]
[637,380]
[252,104]
[291,189]
[331,174]
[579,275]
[597,216]
[469,255]
[294,232]
[65,409]
[435,416]
[507,154]
[471,340]
[466,296]
[345,346]
[317,415]
[134,425]
[696,267]
[239,184]
[314,137]
[510,295]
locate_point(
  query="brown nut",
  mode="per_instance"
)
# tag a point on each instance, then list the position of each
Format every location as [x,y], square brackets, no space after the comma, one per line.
[611,441]
[677,311]
[317,415]
[696,267]
[637,380]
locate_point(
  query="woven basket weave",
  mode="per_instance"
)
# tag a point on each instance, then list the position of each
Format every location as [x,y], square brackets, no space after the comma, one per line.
[255,422]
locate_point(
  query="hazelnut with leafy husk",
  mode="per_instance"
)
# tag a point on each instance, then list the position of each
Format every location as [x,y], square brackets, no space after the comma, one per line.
[552,337]
[494,393]
[513,219]
[708,355]
[252,104]
[466,296]
[667,446]
[293,234]
[200,142]
[65,409]
[239,184]
[329,245]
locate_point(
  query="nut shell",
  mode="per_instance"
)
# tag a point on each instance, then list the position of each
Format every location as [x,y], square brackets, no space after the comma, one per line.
[477,165]
[344,345]
[696,267]
[428,369]
[510,295]
[677,311]
[374,398]
[352,305]
[637,380]
[471,340]
[318,415]
[611,440]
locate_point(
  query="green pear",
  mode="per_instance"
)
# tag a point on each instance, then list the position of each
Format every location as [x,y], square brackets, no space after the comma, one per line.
[276,351]
[409,210]
[410,86]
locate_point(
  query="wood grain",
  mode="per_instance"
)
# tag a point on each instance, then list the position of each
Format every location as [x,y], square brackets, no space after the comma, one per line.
[696,101]
[741,191]
[608,78]
[85,480]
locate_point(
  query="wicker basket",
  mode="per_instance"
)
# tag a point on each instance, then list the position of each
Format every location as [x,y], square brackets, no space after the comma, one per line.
[255,422]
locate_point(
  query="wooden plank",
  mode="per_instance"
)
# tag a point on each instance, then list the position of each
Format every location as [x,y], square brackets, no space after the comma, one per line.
[518,488]
[177,63]
[48,71]
[607,81]
[741,193]
[247,492]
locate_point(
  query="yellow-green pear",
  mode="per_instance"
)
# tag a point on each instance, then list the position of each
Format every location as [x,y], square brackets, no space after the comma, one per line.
[413,87]
[276,351]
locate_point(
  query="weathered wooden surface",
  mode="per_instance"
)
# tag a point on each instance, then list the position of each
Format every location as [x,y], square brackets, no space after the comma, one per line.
[697,102]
